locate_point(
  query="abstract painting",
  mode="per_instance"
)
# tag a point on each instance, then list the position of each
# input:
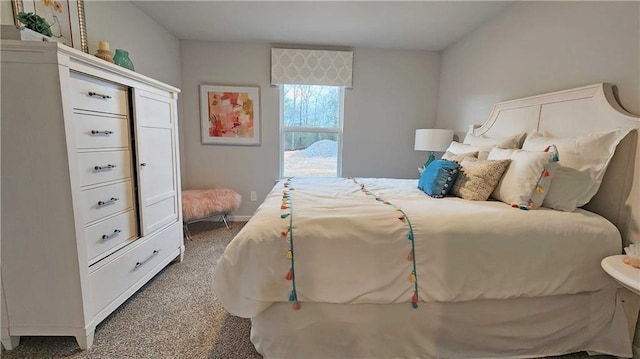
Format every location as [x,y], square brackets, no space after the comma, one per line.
[230,115]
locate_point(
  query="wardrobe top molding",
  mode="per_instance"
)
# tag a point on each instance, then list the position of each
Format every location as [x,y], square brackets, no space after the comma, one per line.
[55,53]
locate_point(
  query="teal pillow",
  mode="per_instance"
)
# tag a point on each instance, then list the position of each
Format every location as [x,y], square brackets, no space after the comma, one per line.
[438,178]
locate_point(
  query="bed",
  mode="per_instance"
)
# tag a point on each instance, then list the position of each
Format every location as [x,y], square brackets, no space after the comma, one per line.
[375,268]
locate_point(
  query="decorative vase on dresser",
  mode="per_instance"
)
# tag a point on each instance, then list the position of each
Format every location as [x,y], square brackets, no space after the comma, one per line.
[90,188]
[121,58]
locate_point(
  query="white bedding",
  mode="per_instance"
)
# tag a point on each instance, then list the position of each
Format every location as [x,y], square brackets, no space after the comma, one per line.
[351,248]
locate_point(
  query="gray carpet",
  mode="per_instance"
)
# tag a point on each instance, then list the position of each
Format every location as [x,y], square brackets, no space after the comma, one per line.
[176,315]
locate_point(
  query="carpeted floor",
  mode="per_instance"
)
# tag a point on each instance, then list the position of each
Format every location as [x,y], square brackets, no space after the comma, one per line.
[176,315]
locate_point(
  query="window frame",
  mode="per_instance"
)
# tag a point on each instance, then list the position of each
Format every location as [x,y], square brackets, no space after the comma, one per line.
[337,130]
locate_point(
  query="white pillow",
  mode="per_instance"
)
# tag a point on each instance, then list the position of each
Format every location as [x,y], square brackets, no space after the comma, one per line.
[458,148]
[513,141]
[583,161]
[526,181]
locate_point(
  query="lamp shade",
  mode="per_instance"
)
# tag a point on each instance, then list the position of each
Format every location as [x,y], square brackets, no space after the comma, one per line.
[433,140]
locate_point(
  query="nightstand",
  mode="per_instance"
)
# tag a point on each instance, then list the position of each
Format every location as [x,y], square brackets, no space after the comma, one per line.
[625,274]
[629,278]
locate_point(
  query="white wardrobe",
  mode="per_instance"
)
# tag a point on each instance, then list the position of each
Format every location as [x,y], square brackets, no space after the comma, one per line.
[90,188]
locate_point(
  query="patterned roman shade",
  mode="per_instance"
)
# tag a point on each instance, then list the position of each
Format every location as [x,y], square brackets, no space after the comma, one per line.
[311,67]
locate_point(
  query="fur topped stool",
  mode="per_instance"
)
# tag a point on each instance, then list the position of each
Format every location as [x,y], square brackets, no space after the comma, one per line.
[201,204]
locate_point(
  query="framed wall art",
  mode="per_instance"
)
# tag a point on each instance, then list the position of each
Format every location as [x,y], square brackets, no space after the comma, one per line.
[230,115]
[66,19]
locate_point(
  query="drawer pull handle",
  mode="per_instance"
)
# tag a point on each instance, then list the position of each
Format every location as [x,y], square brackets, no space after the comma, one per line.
[107,167]
[143,164]
[95,94]
[140,264]
[105,132]
[109,236]
[110,201]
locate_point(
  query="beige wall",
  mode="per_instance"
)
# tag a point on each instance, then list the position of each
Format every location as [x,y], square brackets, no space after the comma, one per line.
[394,92]
[537,47]
[6,12]
[153,50]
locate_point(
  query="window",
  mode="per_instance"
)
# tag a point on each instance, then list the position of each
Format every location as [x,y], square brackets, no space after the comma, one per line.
[311,130]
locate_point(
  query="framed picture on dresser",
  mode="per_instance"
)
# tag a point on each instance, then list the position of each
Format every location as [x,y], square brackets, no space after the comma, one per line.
[66,19]
[230,115]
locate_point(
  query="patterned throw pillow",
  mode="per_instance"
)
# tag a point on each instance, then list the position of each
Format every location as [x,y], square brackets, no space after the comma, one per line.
[478,178]
[438,178]
[450,156]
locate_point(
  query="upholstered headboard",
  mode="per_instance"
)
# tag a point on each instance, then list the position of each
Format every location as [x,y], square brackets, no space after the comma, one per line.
[581,111]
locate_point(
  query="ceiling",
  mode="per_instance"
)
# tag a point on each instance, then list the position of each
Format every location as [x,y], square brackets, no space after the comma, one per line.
[407,25]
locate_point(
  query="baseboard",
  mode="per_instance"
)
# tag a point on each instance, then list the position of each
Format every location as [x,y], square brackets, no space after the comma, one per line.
[233,218]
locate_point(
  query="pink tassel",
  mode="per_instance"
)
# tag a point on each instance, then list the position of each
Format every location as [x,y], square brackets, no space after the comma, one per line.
[414,299]
[545,173]
[532,205]
[547,149]
[284,207]
[289,275]
[296,306]
[410,257]
[401,218]
[284,232]
[515,205]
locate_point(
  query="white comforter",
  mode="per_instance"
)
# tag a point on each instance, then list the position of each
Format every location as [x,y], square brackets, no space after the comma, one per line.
[351,248]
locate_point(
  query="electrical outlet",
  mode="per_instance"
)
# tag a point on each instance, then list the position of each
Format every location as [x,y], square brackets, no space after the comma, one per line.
[254,196]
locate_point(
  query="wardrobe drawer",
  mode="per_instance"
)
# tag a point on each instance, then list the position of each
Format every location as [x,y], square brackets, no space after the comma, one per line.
[115,277]
[101,131]
[103,236]
[92,94]
[98,167]
[103,201]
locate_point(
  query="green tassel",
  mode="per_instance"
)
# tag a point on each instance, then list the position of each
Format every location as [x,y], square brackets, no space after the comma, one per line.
[410,235]
[414,305]
[292,296]
[285,215]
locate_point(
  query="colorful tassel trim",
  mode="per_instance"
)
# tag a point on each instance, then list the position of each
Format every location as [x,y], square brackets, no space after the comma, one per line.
[404,219]
[287,231]
[544,174]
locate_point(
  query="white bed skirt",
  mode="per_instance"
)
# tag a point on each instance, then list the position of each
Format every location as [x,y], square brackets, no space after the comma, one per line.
[520,328]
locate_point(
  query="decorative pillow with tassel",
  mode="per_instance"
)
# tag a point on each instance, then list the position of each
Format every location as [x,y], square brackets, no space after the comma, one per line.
[438,178]
[526,181]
